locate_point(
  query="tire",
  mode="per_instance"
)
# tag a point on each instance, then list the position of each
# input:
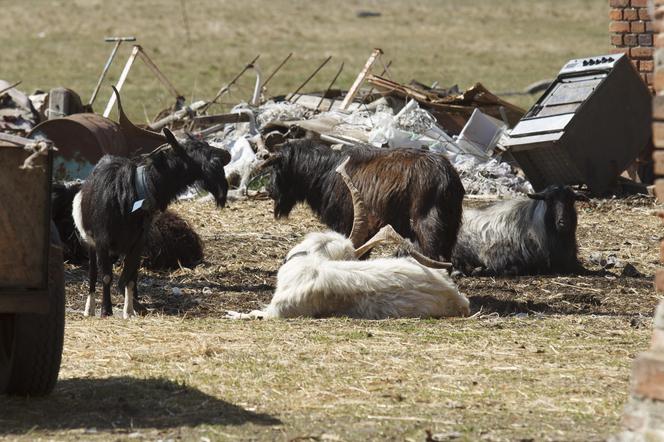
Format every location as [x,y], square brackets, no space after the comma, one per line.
[38,338]
[6,349]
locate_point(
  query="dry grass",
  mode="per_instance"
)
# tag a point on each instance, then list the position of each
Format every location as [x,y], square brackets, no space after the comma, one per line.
[559,372]
[506,45]
[546,358]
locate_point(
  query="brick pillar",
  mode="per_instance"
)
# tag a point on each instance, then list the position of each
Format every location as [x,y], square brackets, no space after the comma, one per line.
[631,29]
[643,417]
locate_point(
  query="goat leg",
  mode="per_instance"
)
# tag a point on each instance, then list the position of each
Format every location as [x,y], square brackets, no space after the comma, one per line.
[90,303]
[104,262]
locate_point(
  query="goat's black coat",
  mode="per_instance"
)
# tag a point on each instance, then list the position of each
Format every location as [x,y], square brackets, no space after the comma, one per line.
[418,192]
[521,237]
[171,242]
[109,193]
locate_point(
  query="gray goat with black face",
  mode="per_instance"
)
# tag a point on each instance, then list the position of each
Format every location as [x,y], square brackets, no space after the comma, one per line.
[521,237]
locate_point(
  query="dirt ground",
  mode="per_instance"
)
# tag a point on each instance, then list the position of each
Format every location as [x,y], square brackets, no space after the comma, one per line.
[244,247]
[543,358]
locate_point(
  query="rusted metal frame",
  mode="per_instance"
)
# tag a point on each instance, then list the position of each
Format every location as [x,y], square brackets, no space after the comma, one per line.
[277,69]
[221,118]
[137,51]
[15,139]
[180,114]
[313,74]
[227,87]
[160,75]
[123,76]
[334,80]
[385,68]
[118,41]
[360,78]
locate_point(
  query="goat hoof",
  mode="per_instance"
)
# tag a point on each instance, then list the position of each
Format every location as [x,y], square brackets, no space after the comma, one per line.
[127,315]
[106,314]
[139,308]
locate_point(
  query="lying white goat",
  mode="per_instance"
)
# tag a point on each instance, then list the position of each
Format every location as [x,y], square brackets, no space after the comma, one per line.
[322,276]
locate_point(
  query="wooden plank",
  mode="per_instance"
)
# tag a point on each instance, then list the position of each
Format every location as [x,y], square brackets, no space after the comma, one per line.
[24,214]
[24,302]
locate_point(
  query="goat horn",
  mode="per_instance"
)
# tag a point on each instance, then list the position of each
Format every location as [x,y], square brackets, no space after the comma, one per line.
[388,233]
[360,228]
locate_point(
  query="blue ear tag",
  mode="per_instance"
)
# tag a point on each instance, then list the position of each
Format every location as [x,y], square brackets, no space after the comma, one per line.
[138,205]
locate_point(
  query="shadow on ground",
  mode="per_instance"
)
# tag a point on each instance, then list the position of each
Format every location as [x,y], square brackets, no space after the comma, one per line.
[121,402]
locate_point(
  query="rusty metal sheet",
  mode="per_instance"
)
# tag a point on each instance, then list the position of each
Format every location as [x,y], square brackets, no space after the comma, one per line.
[82,139]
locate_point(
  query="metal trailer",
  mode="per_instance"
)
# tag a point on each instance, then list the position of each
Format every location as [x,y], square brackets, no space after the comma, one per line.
[32,290]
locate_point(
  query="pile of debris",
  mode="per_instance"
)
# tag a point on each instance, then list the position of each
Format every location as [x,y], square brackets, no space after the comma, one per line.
[475,129]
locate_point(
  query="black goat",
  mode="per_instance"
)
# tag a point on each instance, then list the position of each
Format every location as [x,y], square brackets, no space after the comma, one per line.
[521,237]
[171,242]
[417,192]
[115,206]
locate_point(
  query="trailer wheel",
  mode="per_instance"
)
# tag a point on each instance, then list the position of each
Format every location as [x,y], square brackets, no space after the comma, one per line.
[6,349]
[38,338]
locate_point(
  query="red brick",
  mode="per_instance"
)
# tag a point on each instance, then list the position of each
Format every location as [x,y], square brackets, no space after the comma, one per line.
[629,39]
[659,316]
[650,78]
[646,66]
[637,26]
[619,26]
[658,158]
[626,52]
[617,39]
[618,3]
[643,14]
[659,85]
[659,12]
[658,107]
[650,28]
[659,274]
[658,41]
[648,376]
[658,139]
[630,14]
[641,52]
[645,39]
[615,14]
[639,3]
[659,193]
[657,342]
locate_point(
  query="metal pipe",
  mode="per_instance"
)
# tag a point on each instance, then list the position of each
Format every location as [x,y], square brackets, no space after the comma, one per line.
[341,68]
[118,41]
[290,97]
[121,80]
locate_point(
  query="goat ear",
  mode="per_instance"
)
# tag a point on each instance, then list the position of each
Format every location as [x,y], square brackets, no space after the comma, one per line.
[267,161]
[177,147]
[536,196]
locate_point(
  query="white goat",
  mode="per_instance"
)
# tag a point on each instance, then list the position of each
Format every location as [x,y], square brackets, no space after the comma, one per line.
[322,277]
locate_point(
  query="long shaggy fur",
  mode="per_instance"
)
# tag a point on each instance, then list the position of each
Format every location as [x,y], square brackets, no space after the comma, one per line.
[170,243]
[322,278]
[521,237]
[418,192]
